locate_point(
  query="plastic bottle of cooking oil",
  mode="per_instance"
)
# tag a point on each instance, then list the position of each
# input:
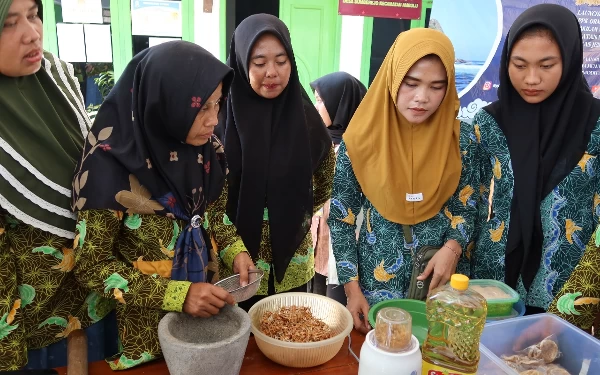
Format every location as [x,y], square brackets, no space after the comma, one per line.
[456,318]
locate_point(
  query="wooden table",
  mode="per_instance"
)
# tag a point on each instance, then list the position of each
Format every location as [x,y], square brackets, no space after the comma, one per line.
[254,363]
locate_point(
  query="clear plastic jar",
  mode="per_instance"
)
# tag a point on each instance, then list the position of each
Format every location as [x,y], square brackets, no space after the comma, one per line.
[393,330]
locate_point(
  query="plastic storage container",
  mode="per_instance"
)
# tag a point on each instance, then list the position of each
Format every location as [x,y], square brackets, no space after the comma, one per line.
[489,364]
[514,313]
[580,351]
[501,306]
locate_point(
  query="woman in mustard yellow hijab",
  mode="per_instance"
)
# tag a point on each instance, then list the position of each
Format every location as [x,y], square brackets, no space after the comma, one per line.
[400,162]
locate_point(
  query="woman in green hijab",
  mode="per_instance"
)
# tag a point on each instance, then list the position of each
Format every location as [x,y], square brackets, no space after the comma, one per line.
[42,127]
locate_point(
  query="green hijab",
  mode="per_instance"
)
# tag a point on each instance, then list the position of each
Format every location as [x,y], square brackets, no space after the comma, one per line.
[5,5]
[42,128]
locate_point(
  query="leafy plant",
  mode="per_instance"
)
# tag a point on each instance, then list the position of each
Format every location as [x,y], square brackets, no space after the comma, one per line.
[92,111]
[105,82]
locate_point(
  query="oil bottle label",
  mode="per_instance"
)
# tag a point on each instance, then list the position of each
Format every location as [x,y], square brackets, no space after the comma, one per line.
[429,369]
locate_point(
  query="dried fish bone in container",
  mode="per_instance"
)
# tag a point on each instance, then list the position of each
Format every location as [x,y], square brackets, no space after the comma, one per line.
[546,350]
[549,350]
[294,324]
[522,363]
[531,372]
[566,349]
[537,359]
[546,370]
[556,370]
[534,352]
[332,314]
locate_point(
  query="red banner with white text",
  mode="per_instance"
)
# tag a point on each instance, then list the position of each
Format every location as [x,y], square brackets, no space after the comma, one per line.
[404,9]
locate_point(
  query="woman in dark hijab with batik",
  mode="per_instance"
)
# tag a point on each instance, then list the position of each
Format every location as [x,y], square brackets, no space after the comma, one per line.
[337,97]
[539,142]
[150,170]
[278,151]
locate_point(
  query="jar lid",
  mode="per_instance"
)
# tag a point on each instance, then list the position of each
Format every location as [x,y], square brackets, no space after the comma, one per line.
[393,330]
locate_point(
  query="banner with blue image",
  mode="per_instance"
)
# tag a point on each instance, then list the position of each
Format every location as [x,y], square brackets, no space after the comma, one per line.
[478,31]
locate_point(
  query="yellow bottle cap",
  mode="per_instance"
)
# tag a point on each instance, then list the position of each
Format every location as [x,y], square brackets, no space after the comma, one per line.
[459,282]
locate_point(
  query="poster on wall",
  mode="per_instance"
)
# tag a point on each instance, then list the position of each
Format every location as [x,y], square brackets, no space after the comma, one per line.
[71,42]
[84,42]
[404,9]
[82,11]
[156,18]
[98,43]
[478,34]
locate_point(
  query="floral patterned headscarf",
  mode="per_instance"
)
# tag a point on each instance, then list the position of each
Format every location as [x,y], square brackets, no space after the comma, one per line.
[135,158]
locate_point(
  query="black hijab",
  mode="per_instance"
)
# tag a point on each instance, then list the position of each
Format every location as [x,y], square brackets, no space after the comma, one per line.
[341,93]
[135,158]
[273,148]
[545,140]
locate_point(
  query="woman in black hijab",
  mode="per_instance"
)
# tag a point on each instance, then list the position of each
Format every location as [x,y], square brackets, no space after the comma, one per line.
[337,97]
[540,143]
[150,171]
[278,150]
[337,94]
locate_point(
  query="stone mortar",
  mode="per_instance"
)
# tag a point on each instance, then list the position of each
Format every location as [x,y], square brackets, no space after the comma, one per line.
[205,346]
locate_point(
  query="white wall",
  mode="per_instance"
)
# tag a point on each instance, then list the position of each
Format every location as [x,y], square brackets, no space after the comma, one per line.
[207,32]
[351,45]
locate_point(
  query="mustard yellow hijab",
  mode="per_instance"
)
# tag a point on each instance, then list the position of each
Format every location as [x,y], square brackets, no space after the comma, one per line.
[391,157]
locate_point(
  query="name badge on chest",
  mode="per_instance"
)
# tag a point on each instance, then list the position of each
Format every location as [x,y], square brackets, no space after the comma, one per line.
[414,197]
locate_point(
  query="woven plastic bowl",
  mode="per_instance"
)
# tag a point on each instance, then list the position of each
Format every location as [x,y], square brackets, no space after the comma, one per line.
[292,354]
[238,292]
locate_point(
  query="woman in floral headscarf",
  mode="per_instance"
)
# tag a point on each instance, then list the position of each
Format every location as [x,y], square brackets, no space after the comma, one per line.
[150,170]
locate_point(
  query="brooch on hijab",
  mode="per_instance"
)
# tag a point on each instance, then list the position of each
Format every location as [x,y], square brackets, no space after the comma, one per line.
[196,221]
